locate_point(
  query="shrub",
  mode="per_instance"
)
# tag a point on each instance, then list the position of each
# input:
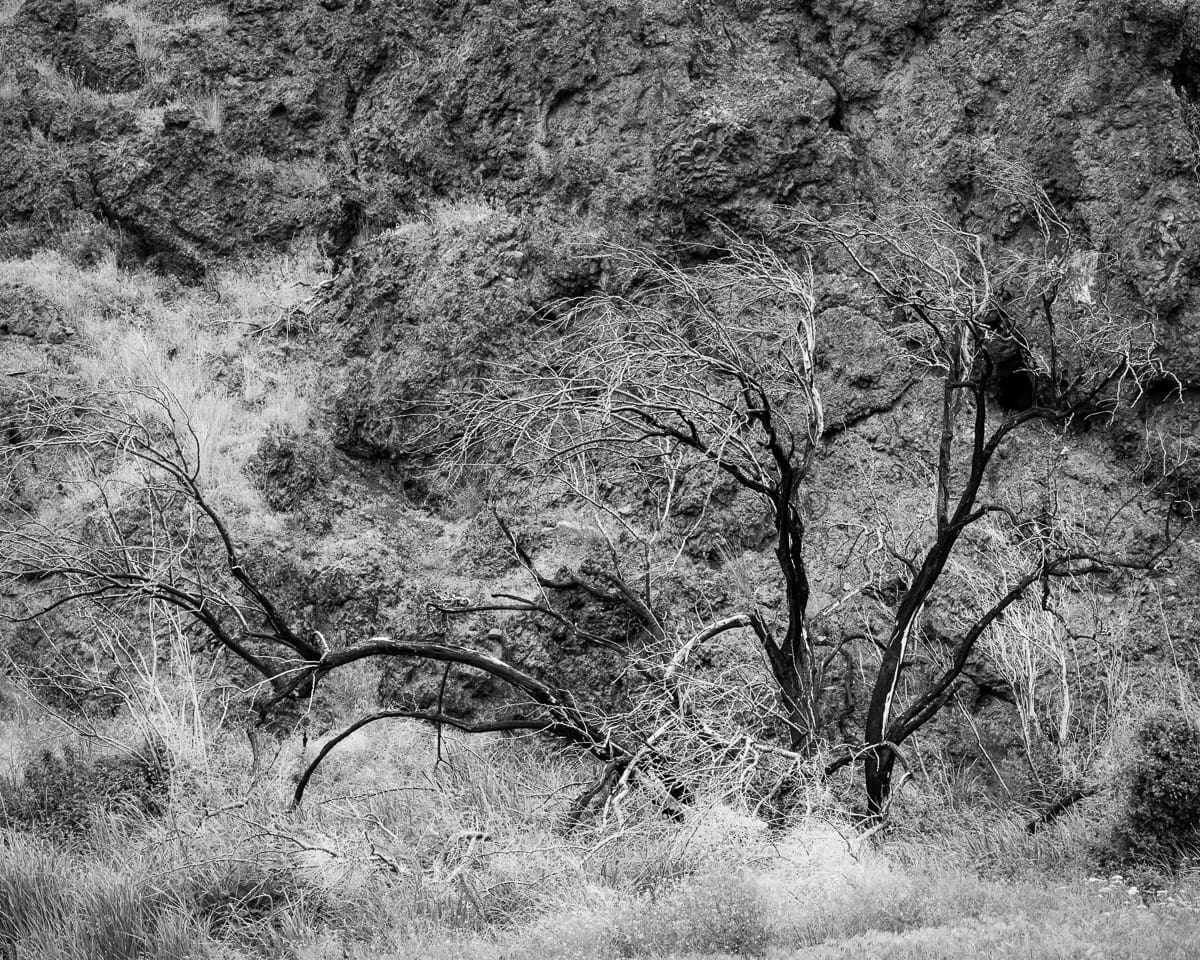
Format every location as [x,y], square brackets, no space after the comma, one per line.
[719,914]
[1161,815]
[86,242]
[57,793]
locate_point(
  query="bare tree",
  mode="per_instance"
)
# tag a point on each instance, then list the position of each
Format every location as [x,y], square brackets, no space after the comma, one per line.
[959,307]
[697,380]
[715,368]
[717,365]
[142,530]
[137,529]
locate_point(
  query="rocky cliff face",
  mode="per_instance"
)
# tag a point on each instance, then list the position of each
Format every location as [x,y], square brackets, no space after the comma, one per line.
[205,130]
[457,160]
[668,113]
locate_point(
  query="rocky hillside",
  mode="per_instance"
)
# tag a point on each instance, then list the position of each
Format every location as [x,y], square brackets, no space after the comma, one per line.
[455,164]
[204,132]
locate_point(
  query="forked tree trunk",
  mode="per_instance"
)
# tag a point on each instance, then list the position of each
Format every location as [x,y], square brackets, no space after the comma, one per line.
[793,676]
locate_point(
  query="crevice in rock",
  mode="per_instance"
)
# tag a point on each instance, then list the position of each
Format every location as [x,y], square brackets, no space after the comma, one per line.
[1185,74]
[871,410]
[138,244]
[1014,383]
[558,103]
[837,119]
[355,91]
[344,230]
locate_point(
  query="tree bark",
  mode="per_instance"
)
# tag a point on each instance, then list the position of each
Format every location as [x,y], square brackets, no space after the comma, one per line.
[878,767]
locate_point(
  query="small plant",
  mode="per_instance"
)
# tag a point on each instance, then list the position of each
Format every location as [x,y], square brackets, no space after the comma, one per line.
[211,111]
[145,32]
[86,241]
[238,895]
[10,88]
[1190,111]
[451,216]
[207,21]
[150,119]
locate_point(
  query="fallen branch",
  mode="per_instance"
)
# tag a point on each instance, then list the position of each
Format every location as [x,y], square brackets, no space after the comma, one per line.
[1058,808]
[495,726]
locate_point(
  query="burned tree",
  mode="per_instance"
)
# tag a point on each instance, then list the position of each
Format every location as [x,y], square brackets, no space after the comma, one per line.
[958,306]
[710,368]
[147,533]
[692,381]
[712,372]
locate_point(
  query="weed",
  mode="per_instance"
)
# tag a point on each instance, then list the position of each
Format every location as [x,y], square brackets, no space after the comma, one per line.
[145,32]
[208,21]
[452,216]
[150,119]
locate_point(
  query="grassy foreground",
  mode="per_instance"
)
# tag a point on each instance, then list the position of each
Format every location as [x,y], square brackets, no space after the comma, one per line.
[403,850]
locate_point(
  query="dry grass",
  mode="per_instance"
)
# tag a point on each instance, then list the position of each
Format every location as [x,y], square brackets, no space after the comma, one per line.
[408,847]
[201,343]
[413,846]
[208,21]
[448,216]
[210,108]
[398,855]
[10,89]
[54,906]
[77,95]
[150,119]
[445,217]
[147,34]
